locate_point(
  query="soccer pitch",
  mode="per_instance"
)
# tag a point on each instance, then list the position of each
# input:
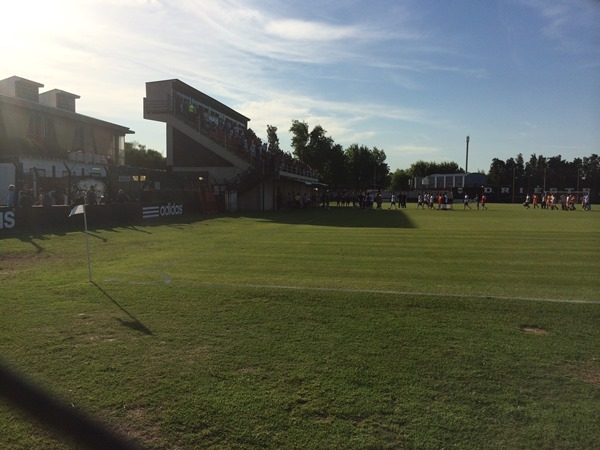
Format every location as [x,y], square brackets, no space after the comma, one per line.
[337,328]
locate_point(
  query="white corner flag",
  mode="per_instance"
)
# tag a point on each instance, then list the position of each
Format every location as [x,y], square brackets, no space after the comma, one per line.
[80,209]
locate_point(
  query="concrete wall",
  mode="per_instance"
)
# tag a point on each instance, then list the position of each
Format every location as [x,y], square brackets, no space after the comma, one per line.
[39,219]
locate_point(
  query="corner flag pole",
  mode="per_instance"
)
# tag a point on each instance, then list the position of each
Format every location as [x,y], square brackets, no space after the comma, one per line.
[80,209]
[87,244]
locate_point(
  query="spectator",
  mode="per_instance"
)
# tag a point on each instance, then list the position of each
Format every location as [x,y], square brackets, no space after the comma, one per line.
[47,198]
[91,198]
[60,198]
[26,198]
[122,197]
[12,196]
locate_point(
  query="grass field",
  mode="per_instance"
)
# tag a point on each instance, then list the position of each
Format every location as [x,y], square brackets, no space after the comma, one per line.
[335,328]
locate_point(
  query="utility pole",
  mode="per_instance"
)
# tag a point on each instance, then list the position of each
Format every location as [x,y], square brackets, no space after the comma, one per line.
[467,161]
[513,187]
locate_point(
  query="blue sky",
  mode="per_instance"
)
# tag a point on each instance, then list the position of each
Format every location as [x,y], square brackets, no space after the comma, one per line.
[413,78]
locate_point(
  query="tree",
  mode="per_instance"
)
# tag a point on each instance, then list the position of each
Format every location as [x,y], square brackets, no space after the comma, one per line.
[400,180]
[334,171]
[422,168]
[533,172]
[555,175]
[300,138]
[360,172]
[319,151]
[138,155]
[520,166]
[318,147]
[272,139]
[591,172]
[367,168]
[447,167]
[382,177]
[496,174]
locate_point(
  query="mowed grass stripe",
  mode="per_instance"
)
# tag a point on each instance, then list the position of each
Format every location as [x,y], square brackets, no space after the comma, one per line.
[315,329]
[439,255]
[164,278]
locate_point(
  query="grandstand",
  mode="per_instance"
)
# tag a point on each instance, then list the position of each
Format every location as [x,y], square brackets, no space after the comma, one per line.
[210,142]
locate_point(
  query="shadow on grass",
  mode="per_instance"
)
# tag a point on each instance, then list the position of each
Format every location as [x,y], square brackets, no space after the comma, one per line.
[134,228]
[335,216]
[30,240]
[338,217]
[116,230]
[94,235]
[134,323]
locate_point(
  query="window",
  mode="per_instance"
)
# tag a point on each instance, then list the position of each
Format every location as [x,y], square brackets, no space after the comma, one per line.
[27,91]
[66,102]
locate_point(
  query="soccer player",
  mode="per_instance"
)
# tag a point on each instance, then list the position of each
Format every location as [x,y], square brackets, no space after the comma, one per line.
[393,201]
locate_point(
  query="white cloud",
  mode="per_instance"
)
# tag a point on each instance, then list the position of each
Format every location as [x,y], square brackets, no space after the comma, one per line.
[291,29]
[363,71]
[420,151]
[345,122]
[566,21]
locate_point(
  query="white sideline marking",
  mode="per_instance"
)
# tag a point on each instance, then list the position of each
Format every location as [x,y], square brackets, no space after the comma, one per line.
[167,280]
[389,292]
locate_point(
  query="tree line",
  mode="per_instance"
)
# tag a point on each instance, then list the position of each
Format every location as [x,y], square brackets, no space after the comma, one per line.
[545,172]
[360,167]
[357,166]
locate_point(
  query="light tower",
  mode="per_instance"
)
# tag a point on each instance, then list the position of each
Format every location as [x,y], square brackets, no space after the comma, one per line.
[467,161]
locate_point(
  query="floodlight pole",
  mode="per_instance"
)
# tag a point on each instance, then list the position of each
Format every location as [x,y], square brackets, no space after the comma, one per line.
[467,159]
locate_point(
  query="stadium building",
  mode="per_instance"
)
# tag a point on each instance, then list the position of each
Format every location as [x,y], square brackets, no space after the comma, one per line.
[210,144]
[457,184]
[46,145]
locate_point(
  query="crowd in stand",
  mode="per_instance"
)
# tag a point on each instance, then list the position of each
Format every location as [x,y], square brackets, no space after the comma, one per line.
[26,197]
[46,197]
[236,138]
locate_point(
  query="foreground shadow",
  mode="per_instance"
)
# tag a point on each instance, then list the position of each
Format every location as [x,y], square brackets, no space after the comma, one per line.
[94,235]
[134,323]
[30,240]
[344,217]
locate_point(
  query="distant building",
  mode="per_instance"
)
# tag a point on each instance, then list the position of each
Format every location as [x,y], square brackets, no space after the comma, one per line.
[448,182]
[44,139]
[48,124]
